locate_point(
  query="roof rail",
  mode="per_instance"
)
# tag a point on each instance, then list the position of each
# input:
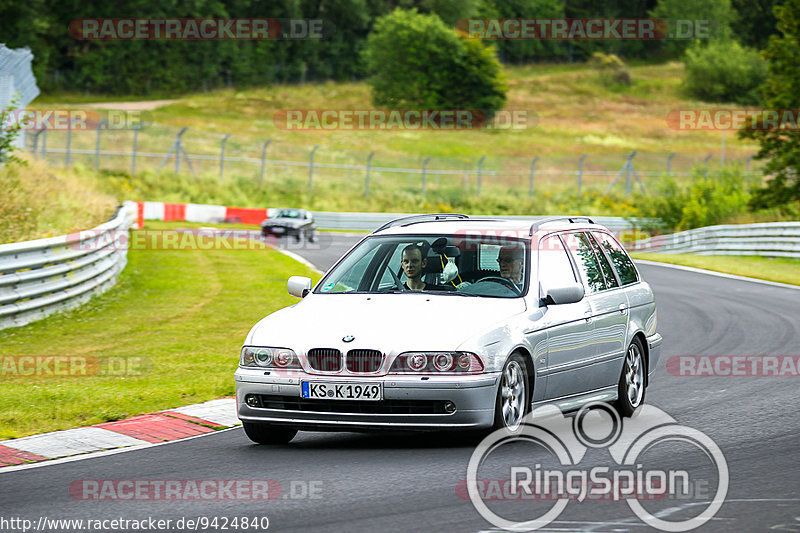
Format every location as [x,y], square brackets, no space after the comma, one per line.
[536,225]
[433,217]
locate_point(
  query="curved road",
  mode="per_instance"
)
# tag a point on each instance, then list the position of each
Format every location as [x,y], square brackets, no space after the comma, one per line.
[396,482]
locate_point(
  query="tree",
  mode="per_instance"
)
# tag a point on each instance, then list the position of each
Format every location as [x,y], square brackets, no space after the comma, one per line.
[724,71]
[781,91]
[525,50]
[718,14]
[416,61]
[755,21]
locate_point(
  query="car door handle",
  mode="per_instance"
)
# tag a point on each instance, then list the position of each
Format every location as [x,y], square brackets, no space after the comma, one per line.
[622,308]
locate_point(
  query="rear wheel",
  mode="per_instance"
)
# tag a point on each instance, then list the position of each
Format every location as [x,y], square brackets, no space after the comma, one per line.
[268,434]
[631,386]
[511,404]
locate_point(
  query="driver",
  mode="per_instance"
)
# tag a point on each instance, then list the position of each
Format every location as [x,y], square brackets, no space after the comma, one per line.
[511,259]
[413,264]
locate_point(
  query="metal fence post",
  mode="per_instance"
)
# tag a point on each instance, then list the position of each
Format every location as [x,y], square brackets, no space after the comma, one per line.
[263,161]
[705,172]
[97,143]
[44,143]
[135,147]
[480,173]
[311,168]
[222,156]
[531,176]
[424,171]
[369,168]
[749,159]
[669,162]
[580,173]
[178,146]
[69,143]
[36,141]
[628,168]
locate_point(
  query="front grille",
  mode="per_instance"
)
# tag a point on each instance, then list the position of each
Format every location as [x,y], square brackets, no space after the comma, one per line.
[325,359]
[364,360]
[383,407]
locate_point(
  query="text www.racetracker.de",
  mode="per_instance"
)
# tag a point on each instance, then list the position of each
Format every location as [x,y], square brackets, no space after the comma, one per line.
[200,523]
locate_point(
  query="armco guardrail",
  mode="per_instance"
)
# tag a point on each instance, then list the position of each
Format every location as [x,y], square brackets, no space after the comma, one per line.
[372,221]
[41,277]
[778,239]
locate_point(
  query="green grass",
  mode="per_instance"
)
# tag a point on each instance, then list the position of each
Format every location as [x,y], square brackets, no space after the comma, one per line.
[577,113]
[33,203]
[176,318]
[782,270]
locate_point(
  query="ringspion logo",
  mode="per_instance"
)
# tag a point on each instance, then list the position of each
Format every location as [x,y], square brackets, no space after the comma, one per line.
[552,476]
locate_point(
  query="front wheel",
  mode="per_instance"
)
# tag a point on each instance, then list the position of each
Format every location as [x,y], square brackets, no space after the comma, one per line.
[268,434]
[631,386]
[511,404]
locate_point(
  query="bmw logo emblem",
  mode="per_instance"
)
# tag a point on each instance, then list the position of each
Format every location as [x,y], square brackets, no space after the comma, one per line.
[348,338]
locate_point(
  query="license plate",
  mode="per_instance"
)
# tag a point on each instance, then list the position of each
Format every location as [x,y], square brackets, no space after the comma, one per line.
[341,391]
[278,230]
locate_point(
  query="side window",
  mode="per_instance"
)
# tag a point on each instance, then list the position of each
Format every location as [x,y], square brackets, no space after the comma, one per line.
[605,266]
[588,268]
[622,262]
[555,268]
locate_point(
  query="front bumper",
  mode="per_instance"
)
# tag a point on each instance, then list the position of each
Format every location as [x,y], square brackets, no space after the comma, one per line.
[654,343]
[473,396]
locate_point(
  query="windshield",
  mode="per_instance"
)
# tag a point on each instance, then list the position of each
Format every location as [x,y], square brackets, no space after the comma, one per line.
[456,265]
[289,213]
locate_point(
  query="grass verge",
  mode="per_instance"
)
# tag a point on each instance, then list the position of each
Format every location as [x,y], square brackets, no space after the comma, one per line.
[781,270]
[36,202]
[167,335]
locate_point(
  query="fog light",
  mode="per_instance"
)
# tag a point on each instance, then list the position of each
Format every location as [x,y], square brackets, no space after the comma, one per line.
[251,400]
[449,408]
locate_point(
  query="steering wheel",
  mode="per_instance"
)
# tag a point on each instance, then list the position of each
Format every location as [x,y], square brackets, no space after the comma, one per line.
[503,281]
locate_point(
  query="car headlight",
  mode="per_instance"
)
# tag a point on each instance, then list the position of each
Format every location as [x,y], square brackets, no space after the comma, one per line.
[437,363]
[268,357]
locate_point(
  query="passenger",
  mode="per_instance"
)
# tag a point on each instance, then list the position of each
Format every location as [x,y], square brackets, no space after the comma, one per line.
[511,259]
[413,264]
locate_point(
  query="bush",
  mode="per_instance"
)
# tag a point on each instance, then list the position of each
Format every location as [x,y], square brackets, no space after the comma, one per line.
[611,68]
[417,62]
[701,202]
[724,71]
[8,134]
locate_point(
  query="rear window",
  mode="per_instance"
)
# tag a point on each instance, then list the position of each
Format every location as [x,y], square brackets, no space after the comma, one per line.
[619,258]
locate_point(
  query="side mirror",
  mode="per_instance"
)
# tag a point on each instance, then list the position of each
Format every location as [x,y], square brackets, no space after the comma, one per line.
[298,286]
[566,294]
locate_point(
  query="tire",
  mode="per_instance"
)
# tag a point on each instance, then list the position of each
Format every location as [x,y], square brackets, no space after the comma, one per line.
[632,380]
[268,434]
[513,394]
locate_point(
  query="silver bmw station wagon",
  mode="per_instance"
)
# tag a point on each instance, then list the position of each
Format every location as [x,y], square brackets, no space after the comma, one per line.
[443,321]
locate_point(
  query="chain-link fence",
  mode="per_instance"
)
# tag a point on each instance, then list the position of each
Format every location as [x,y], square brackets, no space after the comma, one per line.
[156,147]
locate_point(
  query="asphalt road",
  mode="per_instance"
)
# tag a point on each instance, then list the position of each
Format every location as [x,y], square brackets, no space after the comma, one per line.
[397,482]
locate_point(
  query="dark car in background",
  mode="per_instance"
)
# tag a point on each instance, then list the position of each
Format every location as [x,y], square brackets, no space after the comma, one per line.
[298,223]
